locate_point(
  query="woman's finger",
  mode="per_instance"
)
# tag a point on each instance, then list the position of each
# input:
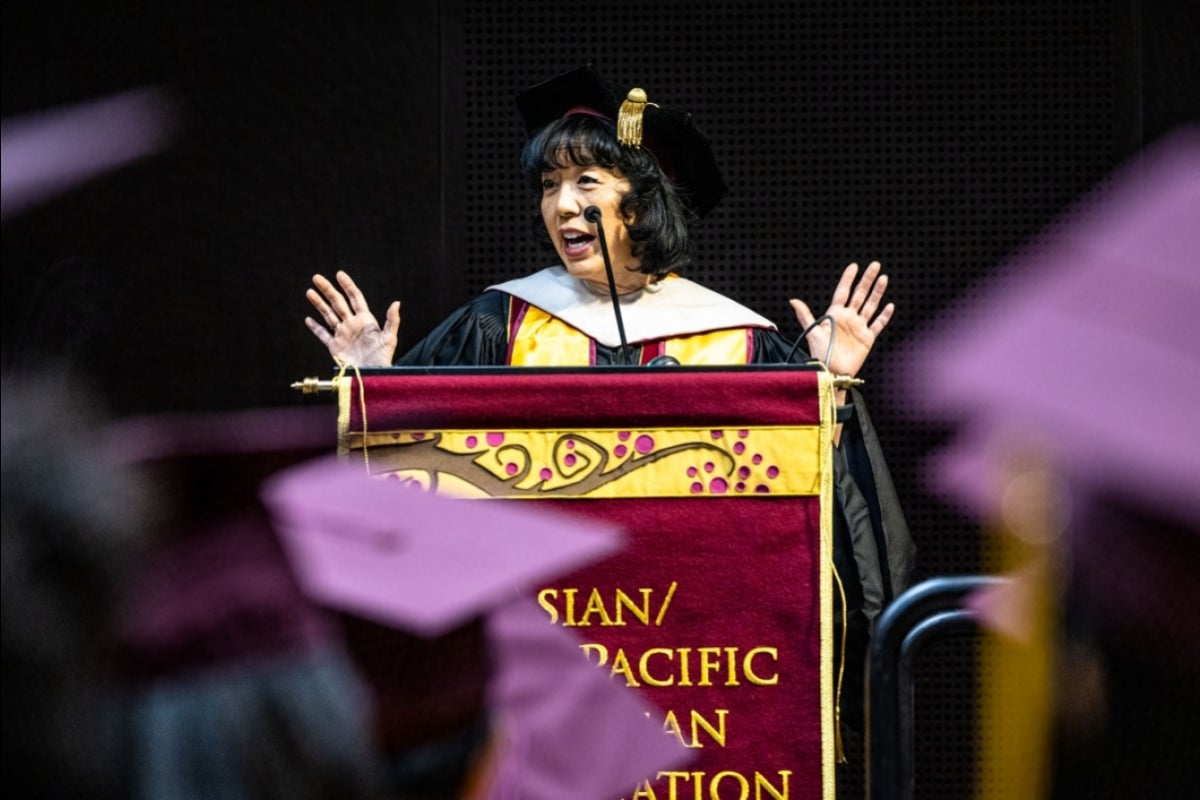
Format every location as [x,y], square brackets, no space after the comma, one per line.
[882,320]
[322,308]
[803,315]
[869,307]
[331,294]
[353,294]
[319,331]
[864,286]
[842,293]
[391,324]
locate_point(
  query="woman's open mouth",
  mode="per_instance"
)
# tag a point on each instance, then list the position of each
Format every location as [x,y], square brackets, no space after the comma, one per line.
[577,244]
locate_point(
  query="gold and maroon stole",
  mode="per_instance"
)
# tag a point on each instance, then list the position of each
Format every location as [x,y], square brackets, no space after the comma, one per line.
[539,339]
[719,609]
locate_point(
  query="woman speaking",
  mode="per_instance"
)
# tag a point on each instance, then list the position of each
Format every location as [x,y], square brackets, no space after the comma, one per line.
[619,182]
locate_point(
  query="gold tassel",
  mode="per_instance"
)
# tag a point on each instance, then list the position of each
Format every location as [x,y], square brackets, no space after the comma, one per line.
[839,750]
[362,402]
[629,118]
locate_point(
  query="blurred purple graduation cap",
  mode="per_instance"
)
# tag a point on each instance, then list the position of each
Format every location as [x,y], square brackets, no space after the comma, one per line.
[215,589]
[569,731]
[1076,381]
[394,555]
[1088,350]
[426,563]
[422,562]
[1089,341]
[49,152]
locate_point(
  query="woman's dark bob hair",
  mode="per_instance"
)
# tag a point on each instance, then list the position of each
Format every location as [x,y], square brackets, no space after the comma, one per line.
[659,230]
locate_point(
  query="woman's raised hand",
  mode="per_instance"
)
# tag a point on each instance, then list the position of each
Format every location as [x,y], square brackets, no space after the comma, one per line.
[853,311]
[351,332]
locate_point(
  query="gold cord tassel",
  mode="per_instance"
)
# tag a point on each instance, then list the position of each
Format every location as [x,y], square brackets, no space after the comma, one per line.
[362,402]
[839,750]
[629,118]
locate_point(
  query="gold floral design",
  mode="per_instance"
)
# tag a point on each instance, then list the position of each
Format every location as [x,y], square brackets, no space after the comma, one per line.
[597,463]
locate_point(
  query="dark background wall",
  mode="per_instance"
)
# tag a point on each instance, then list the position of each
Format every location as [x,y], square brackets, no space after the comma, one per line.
[935,136]
[310,139]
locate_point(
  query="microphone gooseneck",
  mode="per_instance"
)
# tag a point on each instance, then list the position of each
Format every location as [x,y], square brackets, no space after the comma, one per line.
[593,215]
[828,350]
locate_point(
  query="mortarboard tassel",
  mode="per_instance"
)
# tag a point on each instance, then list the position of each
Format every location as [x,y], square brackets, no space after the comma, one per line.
[629,118]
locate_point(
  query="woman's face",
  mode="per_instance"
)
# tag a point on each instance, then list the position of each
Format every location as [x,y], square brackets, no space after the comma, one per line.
[566,192]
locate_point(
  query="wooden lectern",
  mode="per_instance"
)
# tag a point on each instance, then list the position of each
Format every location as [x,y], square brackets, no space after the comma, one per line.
[719,608]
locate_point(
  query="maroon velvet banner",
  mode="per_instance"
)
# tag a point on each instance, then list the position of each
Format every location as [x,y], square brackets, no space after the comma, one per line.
[718,609]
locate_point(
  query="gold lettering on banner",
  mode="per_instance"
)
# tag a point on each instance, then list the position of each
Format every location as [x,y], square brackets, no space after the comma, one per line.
[620,666]
[748,666]
[709,659]
[685,678]
[662,612]
[632,629]
[672,666]
[644,666]
[546,599]
[725,785]
[698,722]
[595,605]
[561,604]
[660,666]
[641,613]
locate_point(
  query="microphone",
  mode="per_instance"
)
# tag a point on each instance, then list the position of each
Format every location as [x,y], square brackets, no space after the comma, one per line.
[803,334]
[593,215]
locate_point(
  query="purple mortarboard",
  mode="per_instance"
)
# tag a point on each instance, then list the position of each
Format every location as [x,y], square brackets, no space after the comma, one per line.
[217,649]
[412,560]
[1084,360]
[426,564]
[569,729]
[1075,381]
[451,575]
[215,588]
[1090,341]
[52,151]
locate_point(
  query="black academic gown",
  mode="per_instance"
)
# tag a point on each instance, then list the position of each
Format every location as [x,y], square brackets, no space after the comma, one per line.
[873,551]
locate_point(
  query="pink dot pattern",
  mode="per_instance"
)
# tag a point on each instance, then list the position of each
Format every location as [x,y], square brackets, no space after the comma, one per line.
[739,470]
[745,474]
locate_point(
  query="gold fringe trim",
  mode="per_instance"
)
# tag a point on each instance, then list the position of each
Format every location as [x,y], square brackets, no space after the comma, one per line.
[831,738]
[342,386]
[839,748]
[343,423]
